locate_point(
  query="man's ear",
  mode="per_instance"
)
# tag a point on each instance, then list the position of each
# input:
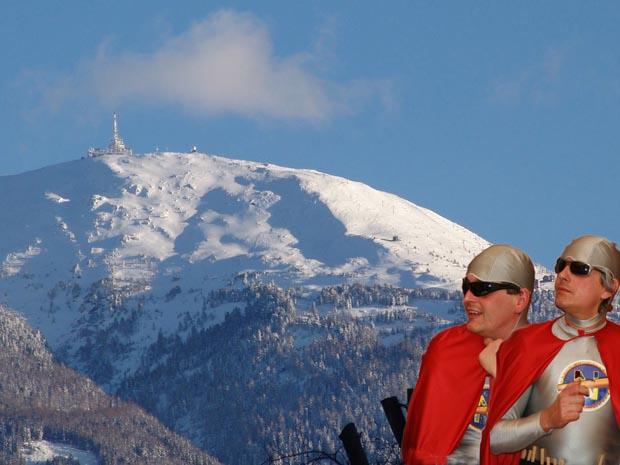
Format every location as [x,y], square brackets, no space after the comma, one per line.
[608,294]
[523,299]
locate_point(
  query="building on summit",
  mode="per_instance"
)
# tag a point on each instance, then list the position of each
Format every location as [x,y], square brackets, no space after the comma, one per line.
[116,147]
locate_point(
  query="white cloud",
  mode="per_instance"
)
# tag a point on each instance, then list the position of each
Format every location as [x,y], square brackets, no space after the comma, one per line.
[224,64]
[536,83]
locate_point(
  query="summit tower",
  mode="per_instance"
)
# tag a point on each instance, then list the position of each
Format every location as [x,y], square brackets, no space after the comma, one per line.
[116,147]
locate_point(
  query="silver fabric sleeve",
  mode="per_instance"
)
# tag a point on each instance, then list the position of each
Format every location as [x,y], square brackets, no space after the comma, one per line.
[514,433]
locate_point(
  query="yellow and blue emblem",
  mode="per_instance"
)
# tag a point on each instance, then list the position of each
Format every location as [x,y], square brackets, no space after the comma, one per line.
[592,375]
[480,417]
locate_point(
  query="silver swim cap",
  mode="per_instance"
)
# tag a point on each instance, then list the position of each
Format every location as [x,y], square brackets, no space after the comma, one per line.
[595,251]
[505,264]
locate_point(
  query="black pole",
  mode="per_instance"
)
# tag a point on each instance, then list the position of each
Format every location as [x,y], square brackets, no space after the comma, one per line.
[353,445]
[395,417]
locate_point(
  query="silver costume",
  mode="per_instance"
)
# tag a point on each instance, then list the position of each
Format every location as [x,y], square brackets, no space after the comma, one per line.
[580,442]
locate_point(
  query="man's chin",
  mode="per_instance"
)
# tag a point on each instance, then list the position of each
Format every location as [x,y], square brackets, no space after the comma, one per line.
[472,327]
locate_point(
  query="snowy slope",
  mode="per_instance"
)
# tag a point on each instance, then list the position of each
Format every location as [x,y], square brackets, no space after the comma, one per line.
[114,250]
[133,217]
[40,452]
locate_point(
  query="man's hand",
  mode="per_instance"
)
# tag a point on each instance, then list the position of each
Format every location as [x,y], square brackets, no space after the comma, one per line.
[487,356]
[567,407]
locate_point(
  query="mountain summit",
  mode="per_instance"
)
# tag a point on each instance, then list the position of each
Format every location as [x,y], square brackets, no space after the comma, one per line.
[137,219]
[151,223]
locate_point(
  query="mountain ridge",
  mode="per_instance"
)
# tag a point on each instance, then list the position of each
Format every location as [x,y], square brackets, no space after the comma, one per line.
[197,180]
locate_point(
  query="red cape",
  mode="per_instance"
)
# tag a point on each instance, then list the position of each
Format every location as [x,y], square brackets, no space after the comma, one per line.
[521,360]
[445,397]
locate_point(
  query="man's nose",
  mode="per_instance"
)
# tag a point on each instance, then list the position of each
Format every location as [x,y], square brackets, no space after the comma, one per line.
[469,296]
[565,273]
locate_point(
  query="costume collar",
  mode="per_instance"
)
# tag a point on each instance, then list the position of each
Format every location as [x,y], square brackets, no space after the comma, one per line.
[576,327]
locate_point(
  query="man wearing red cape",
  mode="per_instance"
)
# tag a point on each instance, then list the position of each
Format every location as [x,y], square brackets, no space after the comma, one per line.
[557,389]
[447,411]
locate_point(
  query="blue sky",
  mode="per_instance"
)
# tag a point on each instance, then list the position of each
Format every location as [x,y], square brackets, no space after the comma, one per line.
[501,116]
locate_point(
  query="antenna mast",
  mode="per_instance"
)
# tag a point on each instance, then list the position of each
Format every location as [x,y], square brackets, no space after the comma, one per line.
[117,145]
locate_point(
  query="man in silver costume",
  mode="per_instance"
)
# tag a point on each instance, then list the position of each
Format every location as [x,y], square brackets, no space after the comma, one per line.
[569,406]
[447,411]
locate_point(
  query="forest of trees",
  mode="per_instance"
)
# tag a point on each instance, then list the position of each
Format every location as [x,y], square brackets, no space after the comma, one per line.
[41,399]
[278,377]
[272,380]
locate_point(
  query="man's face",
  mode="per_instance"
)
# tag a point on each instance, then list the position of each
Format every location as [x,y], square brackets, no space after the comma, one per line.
[494,315]
[579,296]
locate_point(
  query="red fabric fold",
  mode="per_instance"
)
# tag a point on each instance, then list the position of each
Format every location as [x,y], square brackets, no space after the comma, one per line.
[445,397]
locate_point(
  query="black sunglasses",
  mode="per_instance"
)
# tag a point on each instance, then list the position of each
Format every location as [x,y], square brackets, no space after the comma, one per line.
[577,268]
[482,288]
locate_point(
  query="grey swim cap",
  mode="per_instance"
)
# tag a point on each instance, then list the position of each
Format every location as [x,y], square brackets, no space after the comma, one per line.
[595,251]
[505,264]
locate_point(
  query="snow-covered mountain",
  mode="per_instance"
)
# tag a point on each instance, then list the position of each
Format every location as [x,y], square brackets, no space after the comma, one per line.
[151,224]
[183,281]
[136,219]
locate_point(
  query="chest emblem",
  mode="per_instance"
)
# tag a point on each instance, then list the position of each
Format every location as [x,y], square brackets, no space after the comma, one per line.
[480,417]
[592,375]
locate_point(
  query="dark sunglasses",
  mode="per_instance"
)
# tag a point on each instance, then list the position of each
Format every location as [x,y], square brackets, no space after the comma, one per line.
[577,268]
[482,288]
